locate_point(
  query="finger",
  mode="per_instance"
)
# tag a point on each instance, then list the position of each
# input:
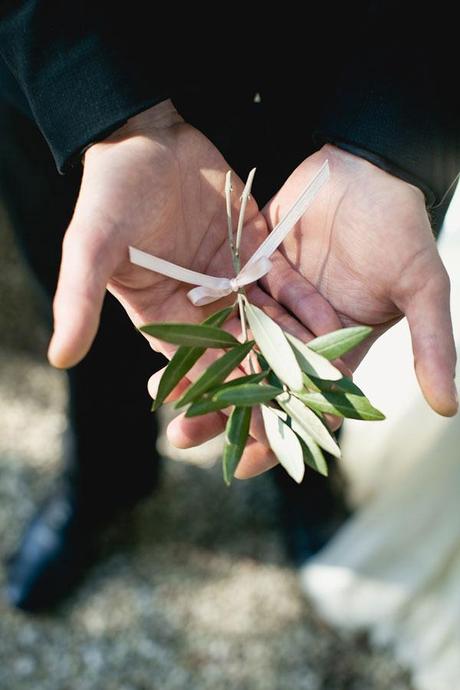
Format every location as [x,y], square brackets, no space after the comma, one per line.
[256,459]
[290,324]
[290,289]
[333,422]
[188,432]
[175,394]
[84,272]
[278,313]
[428,314]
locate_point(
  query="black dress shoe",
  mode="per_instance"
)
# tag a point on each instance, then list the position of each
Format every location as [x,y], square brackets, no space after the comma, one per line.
[52,554]
[310,512]
[60,543]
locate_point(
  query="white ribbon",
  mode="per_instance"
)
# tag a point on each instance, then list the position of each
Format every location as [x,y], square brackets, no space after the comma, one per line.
[212,288]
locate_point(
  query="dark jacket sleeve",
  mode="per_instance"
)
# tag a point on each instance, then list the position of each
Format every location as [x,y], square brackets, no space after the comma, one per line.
[395,103]
[84,67]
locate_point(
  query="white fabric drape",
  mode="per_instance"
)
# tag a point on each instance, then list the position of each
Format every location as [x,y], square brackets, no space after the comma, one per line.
[394,567]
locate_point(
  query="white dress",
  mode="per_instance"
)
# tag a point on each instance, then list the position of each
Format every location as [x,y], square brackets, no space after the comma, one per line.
[394,567]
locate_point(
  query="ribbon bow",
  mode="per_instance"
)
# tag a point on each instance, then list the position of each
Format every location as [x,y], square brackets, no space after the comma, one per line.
[212,288]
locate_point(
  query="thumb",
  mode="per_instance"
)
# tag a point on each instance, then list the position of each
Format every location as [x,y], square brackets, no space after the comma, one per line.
[85,269]
[428,314]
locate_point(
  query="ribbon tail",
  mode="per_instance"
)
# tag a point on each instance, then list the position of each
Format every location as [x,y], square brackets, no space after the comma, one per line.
[166,268]
[294,214]
[253,270]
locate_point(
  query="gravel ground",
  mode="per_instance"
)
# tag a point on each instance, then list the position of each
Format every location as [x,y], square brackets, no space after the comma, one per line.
[192,591]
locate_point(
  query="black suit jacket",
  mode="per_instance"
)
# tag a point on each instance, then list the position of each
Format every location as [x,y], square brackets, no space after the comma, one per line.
[366,76]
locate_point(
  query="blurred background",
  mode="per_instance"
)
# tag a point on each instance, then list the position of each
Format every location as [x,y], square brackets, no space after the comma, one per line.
[192,591]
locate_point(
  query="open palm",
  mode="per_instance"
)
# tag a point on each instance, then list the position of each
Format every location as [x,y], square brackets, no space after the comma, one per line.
[368,248]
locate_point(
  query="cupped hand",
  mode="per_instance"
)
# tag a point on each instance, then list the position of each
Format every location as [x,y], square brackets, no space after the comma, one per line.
[366,245]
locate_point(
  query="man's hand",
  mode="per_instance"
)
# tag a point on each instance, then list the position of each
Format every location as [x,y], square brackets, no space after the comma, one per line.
[367,246]
[156,184]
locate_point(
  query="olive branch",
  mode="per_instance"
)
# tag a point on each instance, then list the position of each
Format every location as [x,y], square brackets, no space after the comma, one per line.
[294,383]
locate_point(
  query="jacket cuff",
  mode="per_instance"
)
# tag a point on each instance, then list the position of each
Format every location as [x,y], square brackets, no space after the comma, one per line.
[80,105]
[84,68]
[394,104]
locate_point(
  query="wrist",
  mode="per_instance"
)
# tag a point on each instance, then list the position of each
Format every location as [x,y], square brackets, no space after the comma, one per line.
[384,165]
[159,117]
[356,164]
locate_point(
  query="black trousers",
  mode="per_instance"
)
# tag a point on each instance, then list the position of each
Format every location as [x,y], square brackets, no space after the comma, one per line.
[114,459]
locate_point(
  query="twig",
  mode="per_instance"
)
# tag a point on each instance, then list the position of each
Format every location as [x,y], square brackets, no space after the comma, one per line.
[228,204]
[235,246]
[244,202]
[244,330]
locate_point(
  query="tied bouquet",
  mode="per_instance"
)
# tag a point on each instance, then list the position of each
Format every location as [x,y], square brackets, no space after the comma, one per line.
[294,384]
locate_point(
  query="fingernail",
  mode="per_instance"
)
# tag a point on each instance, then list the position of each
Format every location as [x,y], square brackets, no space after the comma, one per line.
[152,386]
[346,371]
[58,355]
[52,349]
[454,396]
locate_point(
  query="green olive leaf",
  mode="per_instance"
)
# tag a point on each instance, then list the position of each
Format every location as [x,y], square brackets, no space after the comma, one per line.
[239,381]
[337,343]
[284,443]
[343,405]
[311,362]
[204,406]
[307,420]
[247,394]
[312,453]
[183,360]
[207,404]
[274,347]
[311,383]
[190,334]
[316,385]
[236,435]
[215,373]
[271,377]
